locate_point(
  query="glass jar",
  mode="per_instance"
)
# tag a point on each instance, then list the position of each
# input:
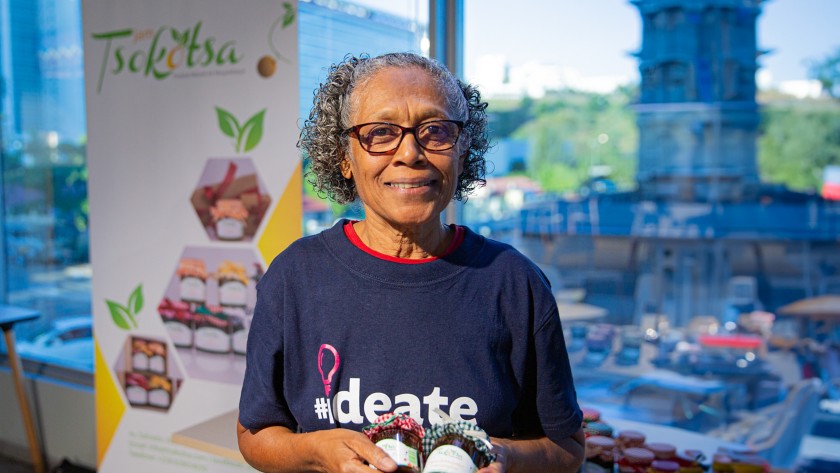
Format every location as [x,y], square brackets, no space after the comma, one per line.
[598,429]
[590,415]
[722,464]
[689,461]
[635,460]
[455,453]
[664,466]
[663,451]
[630,439]
[403,446]
[600,455]
[401,437]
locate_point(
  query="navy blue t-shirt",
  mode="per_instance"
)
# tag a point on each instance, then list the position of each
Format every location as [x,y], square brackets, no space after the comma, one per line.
[340,336]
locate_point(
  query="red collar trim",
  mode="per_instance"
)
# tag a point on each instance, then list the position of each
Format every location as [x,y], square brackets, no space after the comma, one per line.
[354,238]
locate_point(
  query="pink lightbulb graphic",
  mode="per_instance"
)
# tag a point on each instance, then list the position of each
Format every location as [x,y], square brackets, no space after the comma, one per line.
[328,378]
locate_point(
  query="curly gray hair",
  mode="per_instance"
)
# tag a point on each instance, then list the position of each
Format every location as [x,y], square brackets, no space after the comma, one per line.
[325,144]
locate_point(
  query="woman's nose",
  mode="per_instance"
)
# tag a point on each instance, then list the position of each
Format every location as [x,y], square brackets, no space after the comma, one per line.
[409,151]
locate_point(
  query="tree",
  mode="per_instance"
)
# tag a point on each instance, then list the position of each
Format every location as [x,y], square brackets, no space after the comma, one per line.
[797,142]
[827,72]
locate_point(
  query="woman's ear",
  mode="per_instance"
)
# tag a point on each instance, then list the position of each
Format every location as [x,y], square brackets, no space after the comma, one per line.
[345,168]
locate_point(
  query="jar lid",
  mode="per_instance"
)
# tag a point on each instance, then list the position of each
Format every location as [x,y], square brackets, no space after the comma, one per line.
[590,414]
[631,435]
[390,421]
[661,449]
[598,428]
[601,441]
[638,455]
[664,466]
[462,428]
[721,458]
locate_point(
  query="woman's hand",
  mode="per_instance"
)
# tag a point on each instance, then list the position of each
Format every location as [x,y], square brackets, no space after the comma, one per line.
[346,451]
[537,454]
[278,449]
[497,466]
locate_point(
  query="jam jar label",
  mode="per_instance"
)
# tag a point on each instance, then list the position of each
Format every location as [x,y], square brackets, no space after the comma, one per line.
[193,289]
[449,459]
[233,293]
[230,229]
[401,453]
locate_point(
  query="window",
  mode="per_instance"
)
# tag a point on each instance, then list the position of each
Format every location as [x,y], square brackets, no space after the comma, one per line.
[44,187]
[653,204]
[44,208]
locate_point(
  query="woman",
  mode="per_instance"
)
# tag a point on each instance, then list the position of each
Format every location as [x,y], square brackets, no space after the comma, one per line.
[398,312]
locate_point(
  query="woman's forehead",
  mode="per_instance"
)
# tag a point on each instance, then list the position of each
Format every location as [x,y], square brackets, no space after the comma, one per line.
[395,87]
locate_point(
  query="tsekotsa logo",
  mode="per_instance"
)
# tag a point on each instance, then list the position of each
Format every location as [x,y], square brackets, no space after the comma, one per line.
[158,53]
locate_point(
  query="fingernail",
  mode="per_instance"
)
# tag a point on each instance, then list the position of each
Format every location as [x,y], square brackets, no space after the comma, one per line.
[387,463]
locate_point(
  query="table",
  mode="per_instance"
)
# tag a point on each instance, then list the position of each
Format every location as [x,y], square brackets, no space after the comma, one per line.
[9,316]
[680,438]
[216,436]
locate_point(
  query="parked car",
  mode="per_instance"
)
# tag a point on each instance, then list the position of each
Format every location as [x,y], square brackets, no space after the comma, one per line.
[68,343]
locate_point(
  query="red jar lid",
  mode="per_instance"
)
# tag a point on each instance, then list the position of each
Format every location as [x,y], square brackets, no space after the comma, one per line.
[639,455]
[590,414]
[631,435]
[662,450]
[664,466]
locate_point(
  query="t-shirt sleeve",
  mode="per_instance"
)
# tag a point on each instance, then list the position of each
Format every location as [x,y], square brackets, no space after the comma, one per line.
[262,403]
[556,399]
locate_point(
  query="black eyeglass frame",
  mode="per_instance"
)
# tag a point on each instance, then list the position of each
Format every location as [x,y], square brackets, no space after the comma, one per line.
[354,132]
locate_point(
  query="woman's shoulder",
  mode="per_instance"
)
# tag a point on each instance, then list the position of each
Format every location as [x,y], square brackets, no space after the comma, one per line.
[499,254]
[498,251]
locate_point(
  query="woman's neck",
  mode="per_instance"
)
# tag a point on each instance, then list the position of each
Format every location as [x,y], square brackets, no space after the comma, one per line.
[418,242]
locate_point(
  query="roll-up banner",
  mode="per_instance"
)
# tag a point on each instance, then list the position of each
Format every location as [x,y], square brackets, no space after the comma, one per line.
[194,187]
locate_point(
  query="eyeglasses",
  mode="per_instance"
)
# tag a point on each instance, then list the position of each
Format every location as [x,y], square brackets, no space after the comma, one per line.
[383,138]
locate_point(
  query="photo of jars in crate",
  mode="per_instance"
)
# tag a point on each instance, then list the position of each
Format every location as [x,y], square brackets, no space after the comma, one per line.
[148,375]
[230,199]
[207,310]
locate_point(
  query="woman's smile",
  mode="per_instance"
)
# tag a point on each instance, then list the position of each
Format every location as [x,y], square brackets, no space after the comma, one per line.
[414,186]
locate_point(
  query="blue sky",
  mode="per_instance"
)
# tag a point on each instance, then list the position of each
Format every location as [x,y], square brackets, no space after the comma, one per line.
[595,36]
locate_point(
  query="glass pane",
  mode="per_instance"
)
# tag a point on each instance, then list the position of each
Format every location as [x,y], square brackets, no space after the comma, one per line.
[45,212]
[679,188]
[331,30]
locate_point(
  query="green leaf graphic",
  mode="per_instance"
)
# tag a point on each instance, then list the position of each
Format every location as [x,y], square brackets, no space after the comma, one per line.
[180,38]
[288,14]
[253,130]
[227,123]
[120,315]
[135,300]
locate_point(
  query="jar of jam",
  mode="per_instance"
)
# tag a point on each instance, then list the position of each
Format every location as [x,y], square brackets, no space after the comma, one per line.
[456,447]
[722,464]
[630,439]
[689,461]
[635,460]
[663,451]
[598,428]
[590,415]
[664,466]
[600,455]
[401,437]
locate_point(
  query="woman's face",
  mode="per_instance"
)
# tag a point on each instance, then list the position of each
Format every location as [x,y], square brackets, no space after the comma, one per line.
[410,186]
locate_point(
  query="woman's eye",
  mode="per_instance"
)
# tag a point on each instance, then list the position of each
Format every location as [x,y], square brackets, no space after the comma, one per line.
[381,132]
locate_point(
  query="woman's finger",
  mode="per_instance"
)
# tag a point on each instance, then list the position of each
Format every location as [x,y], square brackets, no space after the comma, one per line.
[374,455]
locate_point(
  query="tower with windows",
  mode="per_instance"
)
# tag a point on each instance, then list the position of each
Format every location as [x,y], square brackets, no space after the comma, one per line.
[697,114]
